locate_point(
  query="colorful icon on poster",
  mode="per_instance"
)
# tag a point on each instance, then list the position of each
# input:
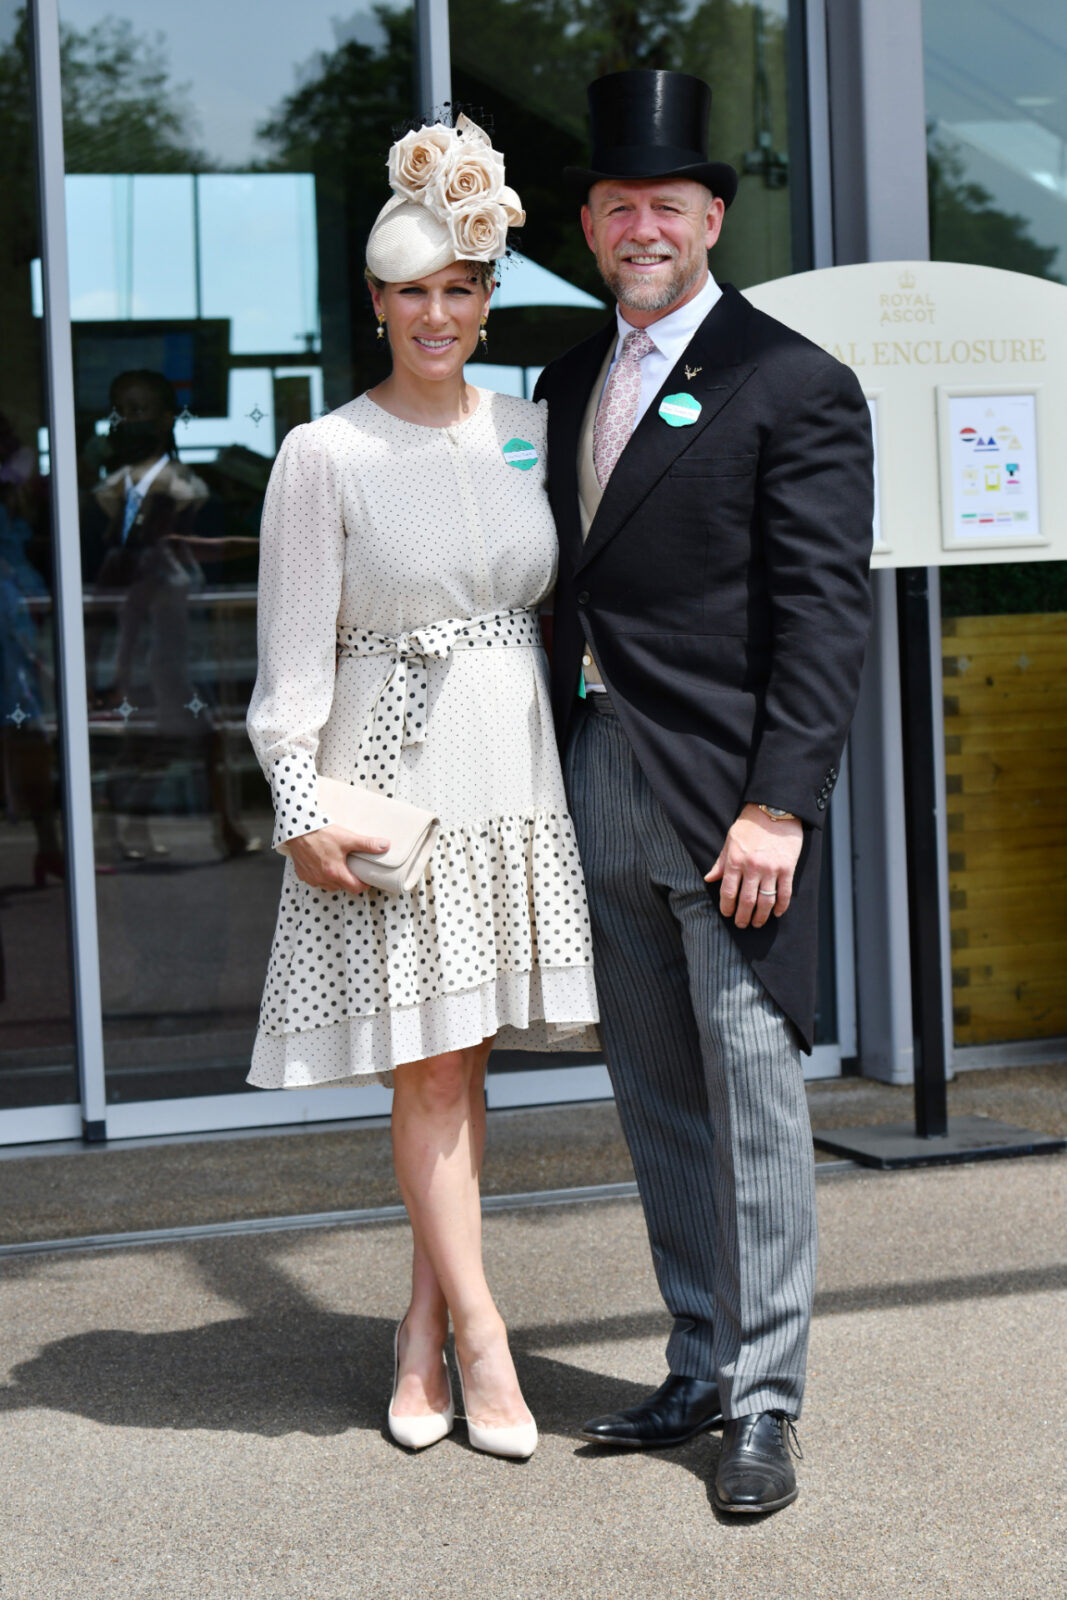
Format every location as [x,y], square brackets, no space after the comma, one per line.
[991,451]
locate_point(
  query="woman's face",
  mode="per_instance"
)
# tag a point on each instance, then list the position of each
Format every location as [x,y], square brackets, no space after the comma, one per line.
[433,322]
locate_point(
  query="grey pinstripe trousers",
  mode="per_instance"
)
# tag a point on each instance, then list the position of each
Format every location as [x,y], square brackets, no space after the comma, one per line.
[707,1079]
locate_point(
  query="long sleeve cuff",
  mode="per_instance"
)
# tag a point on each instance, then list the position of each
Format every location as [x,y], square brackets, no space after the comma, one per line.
[294,789]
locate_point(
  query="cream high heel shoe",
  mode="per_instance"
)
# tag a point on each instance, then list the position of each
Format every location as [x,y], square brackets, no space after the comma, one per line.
[415,1433]
[518,1443]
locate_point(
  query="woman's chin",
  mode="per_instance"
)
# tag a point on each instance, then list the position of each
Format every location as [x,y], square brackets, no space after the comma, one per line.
[438,365]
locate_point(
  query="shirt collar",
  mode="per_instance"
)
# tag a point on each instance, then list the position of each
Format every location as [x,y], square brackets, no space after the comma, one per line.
[671,334]
[147,479]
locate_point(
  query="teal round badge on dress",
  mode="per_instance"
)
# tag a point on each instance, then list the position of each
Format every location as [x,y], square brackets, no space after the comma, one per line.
[520,453]
[678,410]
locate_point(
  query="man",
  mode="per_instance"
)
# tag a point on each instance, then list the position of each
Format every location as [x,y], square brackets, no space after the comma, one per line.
[711,477]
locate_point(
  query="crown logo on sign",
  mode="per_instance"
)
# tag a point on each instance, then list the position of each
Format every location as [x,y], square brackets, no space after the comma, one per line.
[907,280]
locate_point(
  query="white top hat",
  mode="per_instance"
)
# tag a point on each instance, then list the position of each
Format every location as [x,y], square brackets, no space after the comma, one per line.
[449,203]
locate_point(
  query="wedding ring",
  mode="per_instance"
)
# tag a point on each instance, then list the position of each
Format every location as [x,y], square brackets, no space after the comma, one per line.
[773,893]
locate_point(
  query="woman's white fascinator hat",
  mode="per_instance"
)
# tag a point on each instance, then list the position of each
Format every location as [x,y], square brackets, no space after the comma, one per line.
[449,203]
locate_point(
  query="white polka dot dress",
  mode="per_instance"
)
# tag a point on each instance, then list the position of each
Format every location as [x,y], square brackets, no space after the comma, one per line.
[376,532]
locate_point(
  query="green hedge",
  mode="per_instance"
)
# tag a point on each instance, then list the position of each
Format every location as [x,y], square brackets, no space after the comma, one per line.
[1004,589]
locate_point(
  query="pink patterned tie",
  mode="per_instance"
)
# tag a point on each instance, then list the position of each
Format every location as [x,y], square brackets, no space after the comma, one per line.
[618,405]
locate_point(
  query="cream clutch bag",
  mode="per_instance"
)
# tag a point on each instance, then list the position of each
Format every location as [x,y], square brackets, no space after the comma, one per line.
[411,832]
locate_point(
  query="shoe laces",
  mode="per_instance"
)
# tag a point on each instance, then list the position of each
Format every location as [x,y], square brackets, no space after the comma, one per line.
[789,1434]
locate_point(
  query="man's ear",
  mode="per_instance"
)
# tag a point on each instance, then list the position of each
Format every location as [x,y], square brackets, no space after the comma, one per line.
[587,228]
[713,224]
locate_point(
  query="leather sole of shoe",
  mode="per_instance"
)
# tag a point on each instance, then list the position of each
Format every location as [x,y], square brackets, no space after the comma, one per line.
[652,1444]
[739,1508]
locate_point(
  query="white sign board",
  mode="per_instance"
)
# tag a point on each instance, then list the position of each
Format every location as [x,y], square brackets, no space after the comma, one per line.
[965,373]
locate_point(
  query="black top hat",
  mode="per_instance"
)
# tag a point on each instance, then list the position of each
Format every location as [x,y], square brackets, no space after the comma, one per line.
[647,124]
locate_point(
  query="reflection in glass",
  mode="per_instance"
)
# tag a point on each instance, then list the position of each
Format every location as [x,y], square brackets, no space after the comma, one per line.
[36,1043]
[218,199]
[525,65]
[996,97]
[996,102]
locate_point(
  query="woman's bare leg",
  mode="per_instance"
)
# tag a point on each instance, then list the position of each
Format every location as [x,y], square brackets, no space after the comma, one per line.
[423,1387]
[438,1138]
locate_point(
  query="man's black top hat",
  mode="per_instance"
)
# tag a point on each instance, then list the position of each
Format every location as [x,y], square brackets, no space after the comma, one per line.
[647,124]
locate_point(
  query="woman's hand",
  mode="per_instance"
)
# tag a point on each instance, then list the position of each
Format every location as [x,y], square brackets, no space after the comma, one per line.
[319,857]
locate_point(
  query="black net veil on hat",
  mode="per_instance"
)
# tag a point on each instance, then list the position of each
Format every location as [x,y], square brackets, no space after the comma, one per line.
[648,123]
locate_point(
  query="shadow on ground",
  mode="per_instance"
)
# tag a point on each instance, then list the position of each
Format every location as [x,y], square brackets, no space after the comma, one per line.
[284,1364]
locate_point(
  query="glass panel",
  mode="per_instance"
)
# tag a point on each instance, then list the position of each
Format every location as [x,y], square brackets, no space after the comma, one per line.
[36,1033]
[996,104]
[527,63]
[218,198]
[996,96]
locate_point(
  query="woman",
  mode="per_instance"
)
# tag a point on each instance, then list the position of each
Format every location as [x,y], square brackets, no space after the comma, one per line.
[407,542]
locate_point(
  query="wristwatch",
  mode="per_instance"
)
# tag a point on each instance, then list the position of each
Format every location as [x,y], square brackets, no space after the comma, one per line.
[776,814]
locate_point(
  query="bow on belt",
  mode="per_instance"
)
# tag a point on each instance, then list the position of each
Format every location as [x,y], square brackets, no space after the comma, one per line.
[400,712]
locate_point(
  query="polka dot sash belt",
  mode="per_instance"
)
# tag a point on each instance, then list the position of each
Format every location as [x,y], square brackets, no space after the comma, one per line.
[399,715]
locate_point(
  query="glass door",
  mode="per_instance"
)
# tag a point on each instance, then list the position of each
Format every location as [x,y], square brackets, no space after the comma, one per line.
[217,199]
[997,155]
[525,68]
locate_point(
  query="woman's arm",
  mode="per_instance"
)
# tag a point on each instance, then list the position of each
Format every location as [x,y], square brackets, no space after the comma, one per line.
[302,549]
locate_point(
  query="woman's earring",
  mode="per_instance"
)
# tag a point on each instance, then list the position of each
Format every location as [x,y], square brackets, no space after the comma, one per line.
[381,325]
[483,337]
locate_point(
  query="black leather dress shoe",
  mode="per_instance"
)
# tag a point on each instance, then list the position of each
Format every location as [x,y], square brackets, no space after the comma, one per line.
[755,1472]
[679,1409]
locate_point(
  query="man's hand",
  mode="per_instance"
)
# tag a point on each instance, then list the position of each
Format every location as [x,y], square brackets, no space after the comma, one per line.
[319,857]
[756,866]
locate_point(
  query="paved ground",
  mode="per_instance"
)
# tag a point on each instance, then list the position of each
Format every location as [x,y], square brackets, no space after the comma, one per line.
[157,1183]
[203,1421]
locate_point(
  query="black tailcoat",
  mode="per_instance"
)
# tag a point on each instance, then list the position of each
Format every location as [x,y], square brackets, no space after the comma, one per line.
[724,589]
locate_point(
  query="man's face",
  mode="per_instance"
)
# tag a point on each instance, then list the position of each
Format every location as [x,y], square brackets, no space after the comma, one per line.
[651,238]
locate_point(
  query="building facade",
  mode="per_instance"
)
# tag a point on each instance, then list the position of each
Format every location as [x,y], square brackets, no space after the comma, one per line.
[186,193]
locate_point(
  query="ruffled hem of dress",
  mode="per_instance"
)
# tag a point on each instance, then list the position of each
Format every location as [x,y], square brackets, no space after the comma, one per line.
[548,1008]
[503,895]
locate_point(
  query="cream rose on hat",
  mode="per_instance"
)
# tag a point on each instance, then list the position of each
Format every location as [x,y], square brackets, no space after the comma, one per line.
[473,175]
[416,159]
[478,233]
[450,202]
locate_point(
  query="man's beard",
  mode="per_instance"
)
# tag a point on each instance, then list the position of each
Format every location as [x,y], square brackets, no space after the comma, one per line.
[640,294]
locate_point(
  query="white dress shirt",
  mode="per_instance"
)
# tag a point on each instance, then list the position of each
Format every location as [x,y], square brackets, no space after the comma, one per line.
[135,493]
[670,335]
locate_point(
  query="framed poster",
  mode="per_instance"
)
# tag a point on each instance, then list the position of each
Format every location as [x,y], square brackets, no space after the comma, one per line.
[989,455]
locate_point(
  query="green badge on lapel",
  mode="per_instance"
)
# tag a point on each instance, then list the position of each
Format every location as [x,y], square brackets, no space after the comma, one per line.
[679,410]
[520,453]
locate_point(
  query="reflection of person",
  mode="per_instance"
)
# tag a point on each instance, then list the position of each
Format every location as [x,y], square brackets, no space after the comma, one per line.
[29,779]
[150,505]
[713,582]
[407,542]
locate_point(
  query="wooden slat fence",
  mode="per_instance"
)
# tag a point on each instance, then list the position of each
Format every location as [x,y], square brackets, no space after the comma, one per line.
[1005,688]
